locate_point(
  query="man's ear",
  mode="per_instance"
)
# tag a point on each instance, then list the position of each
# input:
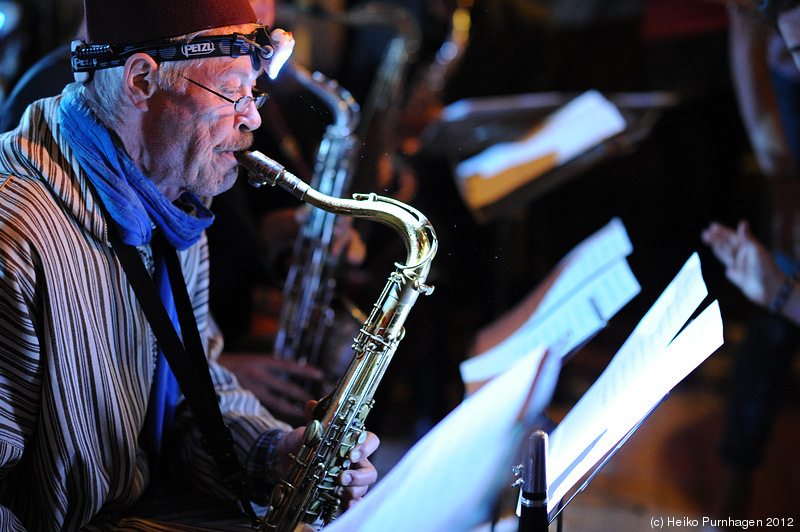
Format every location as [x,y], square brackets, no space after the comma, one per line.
[140,79]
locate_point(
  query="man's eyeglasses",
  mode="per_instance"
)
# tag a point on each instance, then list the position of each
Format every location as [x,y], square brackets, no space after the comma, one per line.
[258,98]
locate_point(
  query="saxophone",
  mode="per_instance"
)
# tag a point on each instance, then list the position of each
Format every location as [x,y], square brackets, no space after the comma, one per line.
[380,112]
[306,315]
[307,492]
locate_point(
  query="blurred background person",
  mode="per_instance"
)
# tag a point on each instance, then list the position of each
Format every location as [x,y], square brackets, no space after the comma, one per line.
[767,83]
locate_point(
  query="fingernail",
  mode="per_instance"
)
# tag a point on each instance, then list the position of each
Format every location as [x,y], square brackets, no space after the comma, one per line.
[355,456]
[346,479]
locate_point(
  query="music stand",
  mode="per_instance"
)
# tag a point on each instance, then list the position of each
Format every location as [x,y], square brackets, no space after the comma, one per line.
[467,127]
[534,523]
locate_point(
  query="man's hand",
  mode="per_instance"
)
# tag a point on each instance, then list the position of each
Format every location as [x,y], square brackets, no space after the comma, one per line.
[748,264]
[353,482]
[356,480]
[273,381]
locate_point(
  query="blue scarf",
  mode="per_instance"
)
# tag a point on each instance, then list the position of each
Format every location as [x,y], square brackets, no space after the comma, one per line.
[165,392]
[135,205]
[131,199]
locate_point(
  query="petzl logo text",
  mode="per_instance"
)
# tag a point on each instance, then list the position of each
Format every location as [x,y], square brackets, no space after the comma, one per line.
[200,48]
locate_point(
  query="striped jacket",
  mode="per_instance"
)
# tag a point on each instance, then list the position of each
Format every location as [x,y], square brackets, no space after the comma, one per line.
[77,356]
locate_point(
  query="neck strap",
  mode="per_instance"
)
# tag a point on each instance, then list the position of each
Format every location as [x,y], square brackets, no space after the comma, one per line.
[186,359]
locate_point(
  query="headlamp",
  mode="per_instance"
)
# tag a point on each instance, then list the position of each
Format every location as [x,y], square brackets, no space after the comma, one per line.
[86,58]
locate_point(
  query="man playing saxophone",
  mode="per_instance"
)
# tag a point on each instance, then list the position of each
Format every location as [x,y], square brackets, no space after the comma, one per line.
[98,185]
[277,314]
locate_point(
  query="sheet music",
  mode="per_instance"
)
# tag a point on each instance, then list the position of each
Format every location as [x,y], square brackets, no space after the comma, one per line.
[604,247]
[594,283]
[580,316]
[450,478]
[650,363]
[581,124]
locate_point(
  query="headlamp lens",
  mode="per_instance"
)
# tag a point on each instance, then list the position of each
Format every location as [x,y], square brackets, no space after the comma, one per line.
[262,48]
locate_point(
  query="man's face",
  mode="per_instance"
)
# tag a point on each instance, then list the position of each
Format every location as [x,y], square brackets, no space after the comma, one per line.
[191,137]
[789,25]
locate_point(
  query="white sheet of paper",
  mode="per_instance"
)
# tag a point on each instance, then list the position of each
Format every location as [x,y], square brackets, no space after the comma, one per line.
[650,363]
[582,123]
[593,255]
[585,312]
[449,480]
[595,282]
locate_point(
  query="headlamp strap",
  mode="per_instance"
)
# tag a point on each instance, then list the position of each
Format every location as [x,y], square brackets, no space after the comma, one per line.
[86,58]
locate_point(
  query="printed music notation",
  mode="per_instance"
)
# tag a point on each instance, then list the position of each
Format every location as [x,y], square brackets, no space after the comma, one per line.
[661,351]
[586,289]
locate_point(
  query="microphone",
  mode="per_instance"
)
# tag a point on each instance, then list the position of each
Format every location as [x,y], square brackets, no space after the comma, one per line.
[533,500]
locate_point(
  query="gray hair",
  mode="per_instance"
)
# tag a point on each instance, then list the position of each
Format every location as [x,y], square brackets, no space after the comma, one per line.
[104,92]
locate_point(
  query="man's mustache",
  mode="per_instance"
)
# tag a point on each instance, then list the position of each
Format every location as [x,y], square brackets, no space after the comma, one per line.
[241,144]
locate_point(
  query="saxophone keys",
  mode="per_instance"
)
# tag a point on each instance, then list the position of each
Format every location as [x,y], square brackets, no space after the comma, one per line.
[313,433]
[344,450]
[315,507]
[277,496]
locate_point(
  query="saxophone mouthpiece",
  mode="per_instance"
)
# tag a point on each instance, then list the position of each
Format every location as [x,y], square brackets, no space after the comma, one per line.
[261,169]
[264,171]
[242,157]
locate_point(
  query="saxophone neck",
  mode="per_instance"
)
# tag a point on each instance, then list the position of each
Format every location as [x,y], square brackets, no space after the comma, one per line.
[415,229]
